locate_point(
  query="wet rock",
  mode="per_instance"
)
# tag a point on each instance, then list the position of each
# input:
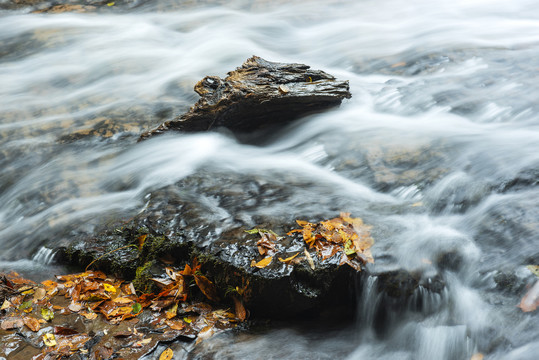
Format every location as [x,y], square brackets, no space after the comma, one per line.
[205,216]
[258,94]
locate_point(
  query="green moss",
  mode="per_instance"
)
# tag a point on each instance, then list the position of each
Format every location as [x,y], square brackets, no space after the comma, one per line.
[142,280]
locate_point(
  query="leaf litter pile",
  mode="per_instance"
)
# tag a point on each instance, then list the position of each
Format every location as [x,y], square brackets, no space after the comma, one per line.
[346,237]
[106,317]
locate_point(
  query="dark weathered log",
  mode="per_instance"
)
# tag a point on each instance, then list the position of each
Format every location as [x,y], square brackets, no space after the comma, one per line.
[257,94]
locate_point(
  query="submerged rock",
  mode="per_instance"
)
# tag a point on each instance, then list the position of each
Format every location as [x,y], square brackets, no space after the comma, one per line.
[260,93]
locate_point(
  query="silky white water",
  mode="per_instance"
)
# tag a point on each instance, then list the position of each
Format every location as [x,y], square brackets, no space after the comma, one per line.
[447,91]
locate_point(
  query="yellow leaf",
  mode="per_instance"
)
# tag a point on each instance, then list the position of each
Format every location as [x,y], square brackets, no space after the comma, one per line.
[477,356]
[172,311]
[534,269]
[263,263]
[109,288]
[111,4]
[5,305]
[167,354]
[288,259]
[187,320]
[49,339]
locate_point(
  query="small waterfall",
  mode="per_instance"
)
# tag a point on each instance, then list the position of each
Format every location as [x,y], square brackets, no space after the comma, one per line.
[44,256]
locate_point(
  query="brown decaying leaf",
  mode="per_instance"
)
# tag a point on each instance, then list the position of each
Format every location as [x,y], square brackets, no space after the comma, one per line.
[207,287]
[241,313]
[32,323]
[266,244]
[530,301]
[12,323]
[61,330]
[175,324]
[88,315]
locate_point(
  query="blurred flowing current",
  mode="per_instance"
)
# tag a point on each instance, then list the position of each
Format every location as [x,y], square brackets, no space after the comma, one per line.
[438,149]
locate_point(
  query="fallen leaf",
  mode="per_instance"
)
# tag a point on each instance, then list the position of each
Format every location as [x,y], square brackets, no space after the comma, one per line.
[288,259]
[6,305]
[205,333]
[309,259]
[49,340]
[32,323]
[263,263]
[109,288]
[75,306]
[122,300]
[39,294]
[477,356]
[284,89]
[61,330]
[141,239]
[102,352]
[187,271]
[530,301]
[88,315]
[167,354]
[175,324]
[12,323]
[241,313]
[534,269]
[170,313]
[26,306]
[142,342]
[207,287]
[136,308]
[399,64]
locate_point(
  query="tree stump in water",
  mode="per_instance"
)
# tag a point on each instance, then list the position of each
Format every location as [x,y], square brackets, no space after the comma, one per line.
[258,94]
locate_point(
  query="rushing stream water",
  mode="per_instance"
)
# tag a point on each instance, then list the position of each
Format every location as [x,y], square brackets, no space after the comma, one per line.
[438,149]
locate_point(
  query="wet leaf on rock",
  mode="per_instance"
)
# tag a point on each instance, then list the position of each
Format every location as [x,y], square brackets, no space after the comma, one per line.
[47,314]
[309,259]
[167,354]
[288,259]
[12,323]
[170,313]
[262,263]
[26,306]
[49,340]
[32,323]
[61,330]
